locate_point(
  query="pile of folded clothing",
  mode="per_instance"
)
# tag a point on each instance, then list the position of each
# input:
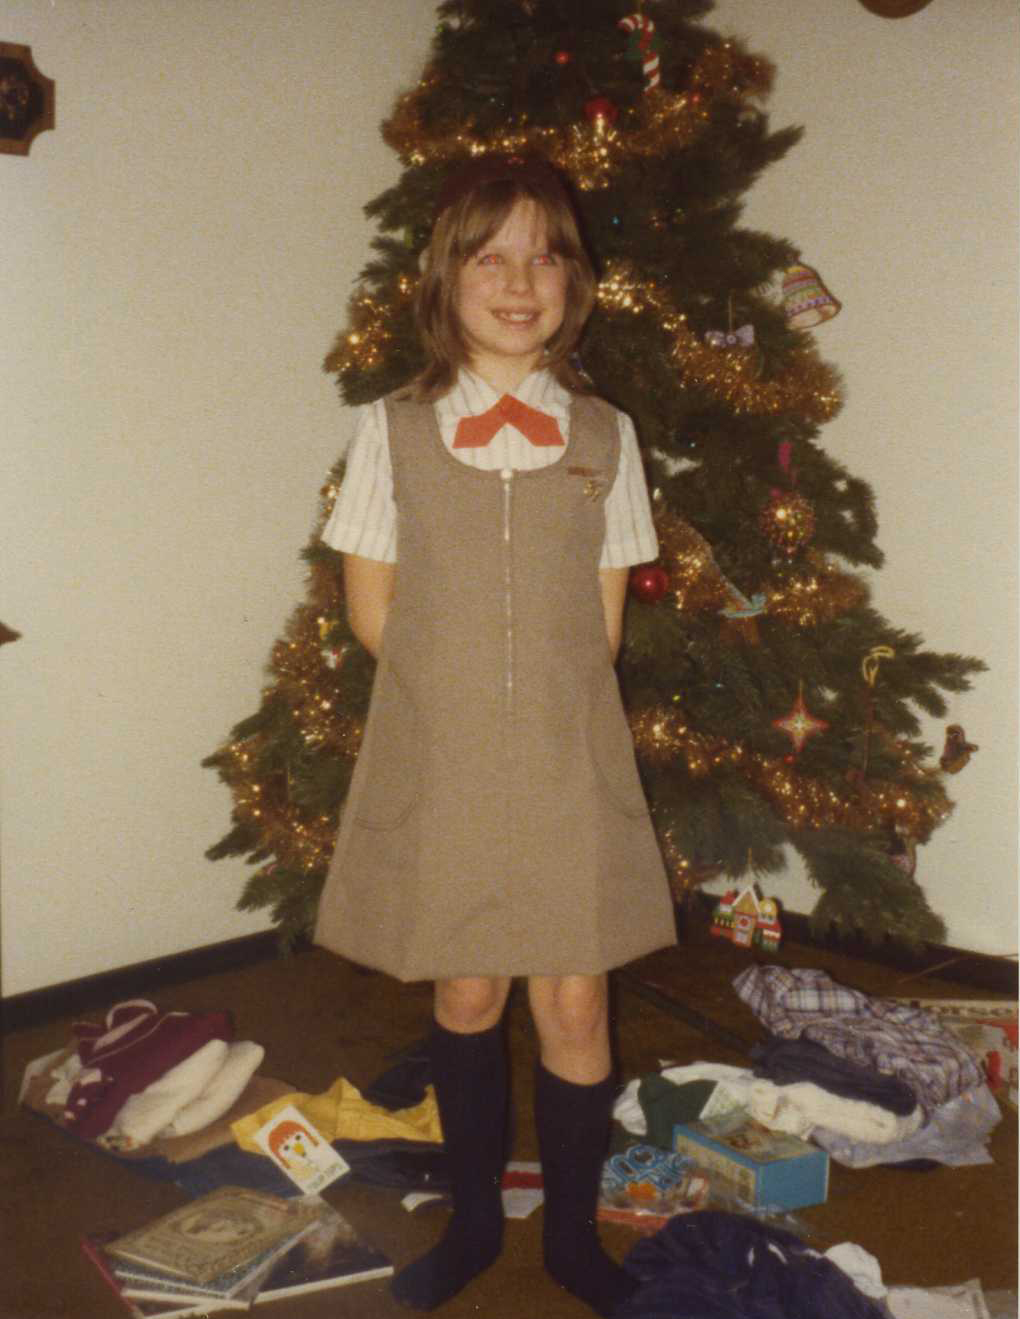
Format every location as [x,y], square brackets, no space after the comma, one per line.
[176,1097]
[869,1080]
[882,1052]
[144,1075]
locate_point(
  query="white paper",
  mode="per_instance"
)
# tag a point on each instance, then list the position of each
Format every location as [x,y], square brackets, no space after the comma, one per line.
[965,1301]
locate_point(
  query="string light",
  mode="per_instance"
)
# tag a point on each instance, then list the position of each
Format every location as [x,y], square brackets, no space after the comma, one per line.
[684,875]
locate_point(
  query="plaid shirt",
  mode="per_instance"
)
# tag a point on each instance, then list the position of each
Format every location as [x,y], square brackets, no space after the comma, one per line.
[889,1037]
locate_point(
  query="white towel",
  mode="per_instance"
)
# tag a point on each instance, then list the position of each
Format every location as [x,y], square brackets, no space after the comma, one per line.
[802,1106]
[242,1062]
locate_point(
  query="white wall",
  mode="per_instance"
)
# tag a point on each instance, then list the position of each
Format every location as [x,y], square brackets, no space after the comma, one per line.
[178,255]
[177,259]
[903,194]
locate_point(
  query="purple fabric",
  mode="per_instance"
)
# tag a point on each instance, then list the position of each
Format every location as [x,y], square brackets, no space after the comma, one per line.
[136,1046]
[889,1037]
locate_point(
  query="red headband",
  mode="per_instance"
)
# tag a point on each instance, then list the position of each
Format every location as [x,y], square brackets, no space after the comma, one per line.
[498,169]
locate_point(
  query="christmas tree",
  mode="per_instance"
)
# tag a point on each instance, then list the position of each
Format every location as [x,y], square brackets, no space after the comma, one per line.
[772,706]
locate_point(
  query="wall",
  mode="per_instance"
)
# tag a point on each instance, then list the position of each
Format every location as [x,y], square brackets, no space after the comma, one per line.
[179,252]
[903,193]
[178,255]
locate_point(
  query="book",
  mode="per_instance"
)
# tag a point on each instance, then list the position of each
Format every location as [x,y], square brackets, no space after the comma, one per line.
[241,1283]
[236,1287]
[224,1235]
[147,1308]
[331,1255]
[326,1252]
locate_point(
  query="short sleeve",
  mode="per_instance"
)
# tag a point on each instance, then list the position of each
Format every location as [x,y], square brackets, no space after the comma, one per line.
[630,532]
[364,518]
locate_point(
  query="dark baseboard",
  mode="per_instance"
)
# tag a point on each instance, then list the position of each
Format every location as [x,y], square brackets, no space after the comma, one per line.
[977,971]
[142,979]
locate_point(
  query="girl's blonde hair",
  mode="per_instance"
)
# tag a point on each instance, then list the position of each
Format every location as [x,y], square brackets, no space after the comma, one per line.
[469,220]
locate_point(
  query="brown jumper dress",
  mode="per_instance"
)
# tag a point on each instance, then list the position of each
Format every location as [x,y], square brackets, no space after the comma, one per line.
[495,823]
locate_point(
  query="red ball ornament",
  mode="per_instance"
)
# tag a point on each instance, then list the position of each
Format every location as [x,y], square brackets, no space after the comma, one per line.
[649,582]
[601,107]
[563,57]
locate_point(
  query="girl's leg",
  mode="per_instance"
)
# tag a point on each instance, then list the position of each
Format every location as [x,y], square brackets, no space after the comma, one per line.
[574,1091]
[469,1071]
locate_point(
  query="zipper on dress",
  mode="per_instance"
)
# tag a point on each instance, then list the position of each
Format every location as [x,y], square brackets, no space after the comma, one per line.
[507,477]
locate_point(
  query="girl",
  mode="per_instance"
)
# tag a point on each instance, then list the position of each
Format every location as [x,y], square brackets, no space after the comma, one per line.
[495,825]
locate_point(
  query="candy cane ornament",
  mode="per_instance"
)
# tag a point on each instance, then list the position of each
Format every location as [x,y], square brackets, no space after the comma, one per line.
[647,46]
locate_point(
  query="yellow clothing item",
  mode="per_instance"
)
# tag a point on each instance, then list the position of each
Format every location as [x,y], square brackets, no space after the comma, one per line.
[342,1114]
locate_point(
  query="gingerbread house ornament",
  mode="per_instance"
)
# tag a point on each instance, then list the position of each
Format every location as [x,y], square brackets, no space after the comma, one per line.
[746,918]
[722,915]
[769,931]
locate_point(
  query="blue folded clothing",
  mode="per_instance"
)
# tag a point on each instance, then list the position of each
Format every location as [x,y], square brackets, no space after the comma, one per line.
[715,1265]
[785,1062]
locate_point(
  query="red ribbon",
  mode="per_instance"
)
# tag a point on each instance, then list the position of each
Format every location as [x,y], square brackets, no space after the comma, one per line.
[538,427]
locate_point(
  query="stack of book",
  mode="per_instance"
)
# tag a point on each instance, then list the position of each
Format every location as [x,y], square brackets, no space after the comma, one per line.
[232,1249]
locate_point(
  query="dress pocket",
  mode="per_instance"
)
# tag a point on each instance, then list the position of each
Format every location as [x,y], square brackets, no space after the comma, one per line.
[612,749]
[390,759]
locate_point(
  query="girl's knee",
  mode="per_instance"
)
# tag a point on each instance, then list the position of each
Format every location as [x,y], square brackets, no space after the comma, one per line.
[470,1004]
[573,1008]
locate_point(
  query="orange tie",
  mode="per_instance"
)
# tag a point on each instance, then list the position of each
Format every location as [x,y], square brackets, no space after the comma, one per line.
[538,427]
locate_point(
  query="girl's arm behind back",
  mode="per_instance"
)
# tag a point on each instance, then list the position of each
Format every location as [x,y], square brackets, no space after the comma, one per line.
[368,586]
[613,584]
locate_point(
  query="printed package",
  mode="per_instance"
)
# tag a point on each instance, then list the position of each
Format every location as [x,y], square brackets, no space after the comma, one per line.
[761,1168]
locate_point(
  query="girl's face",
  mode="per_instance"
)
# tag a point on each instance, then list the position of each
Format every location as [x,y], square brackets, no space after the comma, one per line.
[510,298]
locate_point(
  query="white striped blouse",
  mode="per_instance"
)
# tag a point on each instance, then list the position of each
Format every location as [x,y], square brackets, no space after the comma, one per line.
[363,520]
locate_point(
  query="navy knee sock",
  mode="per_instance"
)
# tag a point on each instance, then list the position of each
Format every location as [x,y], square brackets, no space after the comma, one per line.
[471,1080]
[573,1131]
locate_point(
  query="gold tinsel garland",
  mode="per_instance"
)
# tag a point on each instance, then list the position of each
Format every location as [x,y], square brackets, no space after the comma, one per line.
[816,593]
[732,375]
[807,385]
[265,798]
[328,493]
[664,736]
[695,579]
[683,874]
[371,317]
[592,151]
[806,596]
[311,687]
[297,839]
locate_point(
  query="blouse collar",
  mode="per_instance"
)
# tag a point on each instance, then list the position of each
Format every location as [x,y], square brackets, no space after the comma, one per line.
[471,395]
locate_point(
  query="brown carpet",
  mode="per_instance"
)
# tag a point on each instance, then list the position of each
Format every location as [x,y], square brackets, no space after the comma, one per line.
[320,1018]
